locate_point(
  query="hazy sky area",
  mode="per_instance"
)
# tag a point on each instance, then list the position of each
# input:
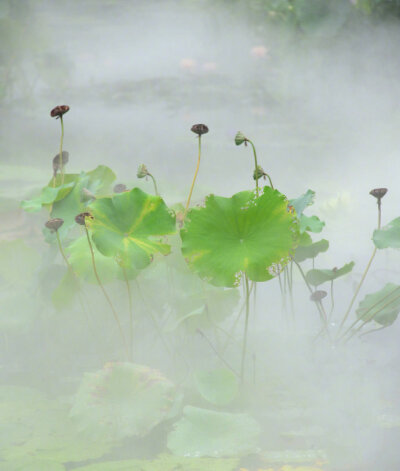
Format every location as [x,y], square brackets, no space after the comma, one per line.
[321,102]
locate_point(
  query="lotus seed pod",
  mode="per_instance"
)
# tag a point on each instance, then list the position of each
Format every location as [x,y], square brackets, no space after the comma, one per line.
[378,193]
[318,295]
[54,224]
[259,173]
[142,171]
[56,161]
[199,129]
[240,138]
[119,188]
[81,218]
[58,111]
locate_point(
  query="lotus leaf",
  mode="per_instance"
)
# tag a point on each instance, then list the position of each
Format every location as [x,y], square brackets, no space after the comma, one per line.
[203,432]
[317,277]
[383,306]
[300,204]
[388,236]
[241,234]
[219,387]
[121,400]
[129,226]
[310,223]
[310,251]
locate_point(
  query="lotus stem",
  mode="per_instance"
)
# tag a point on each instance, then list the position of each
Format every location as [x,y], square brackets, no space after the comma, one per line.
[246,326]
[194,179]
[105,292]
[128,288]
[61,147]
[154,183]
[363,276]
[255,164]
[332,303]
[222,359]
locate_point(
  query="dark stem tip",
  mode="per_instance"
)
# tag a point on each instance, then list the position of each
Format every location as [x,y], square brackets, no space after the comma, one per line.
[318,295]
[199,129]
[378,193]
[59,110]
[81,218]
[119,188]
[54,224]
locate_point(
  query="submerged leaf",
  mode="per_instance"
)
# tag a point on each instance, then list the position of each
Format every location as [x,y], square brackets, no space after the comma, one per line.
[129,226]
[203,432]
[241,234]
[219,387]
[388,236]
[316,277]
[383,306]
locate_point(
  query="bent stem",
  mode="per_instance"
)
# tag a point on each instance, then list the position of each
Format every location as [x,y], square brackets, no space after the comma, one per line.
[154,183]
[105,293]
[246,325]
[128,288]
[363,277]
[194,179]
[255,164]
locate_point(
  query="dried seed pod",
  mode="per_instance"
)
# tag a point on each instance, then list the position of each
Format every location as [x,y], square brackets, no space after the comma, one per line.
[318,295]
[240,138]
[378,193]
[199,129]
[119,188]
[58,111]
[81,218]
[142,171]
[54,224]
[56,161]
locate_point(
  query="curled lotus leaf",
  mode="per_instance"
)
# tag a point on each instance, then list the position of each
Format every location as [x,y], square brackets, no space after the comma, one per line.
[317,277]
[122,400]
[383,306]
[129,226]
[300,204]
[242,234]
[310,251]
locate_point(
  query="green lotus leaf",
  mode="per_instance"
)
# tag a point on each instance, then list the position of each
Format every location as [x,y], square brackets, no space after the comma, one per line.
[300,204]
[383,306]
[129,226]
[51,194]
[241,234]
[203,432]
[311,223]
[388,236]
[310,251]
[219,387]
[165,462]
[317,277]
[122,400]
[305,239]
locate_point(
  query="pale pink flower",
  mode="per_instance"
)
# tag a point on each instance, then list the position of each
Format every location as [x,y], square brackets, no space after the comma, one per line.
[259,52]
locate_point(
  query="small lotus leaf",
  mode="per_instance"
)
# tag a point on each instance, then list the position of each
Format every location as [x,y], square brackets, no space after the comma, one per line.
[301,203]
[129,226]
[311,223]
[317,277]
[388,236]
[310,251]
[241,234]
[203,432]
[122,400]
[219,387]
[383,306]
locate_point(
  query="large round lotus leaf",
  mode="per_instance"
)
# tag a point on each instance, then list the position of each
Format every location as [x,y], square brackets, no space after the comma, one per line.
[230,236]
[121,400]
[388,236]
[219,387]
[310,251]
[383,306]
[317,277]
[203,432]
[129,226]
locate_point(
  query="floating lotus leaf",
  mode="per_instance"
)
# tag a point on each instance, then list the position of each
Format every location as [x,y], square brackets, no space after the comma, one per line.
[300,204]
[310,251]
[122,400]
[241,234]
[203,432]
[388,236]
[311,223]
[317,277]
[383,306]
[129,226]
[219,387]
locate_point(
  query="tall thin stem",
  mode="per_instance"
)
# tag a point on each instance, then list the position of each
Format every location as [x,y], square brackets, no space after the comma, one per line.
[105,292]
[61,150]
[246,326]
[255,163]
[194,179]
[363,276]
[221,358]
[154,183]
[128,288]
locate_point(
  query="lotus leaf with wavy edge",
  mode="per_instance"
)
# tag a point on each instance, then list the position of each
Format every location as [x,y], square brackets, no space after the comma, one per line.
[242,234]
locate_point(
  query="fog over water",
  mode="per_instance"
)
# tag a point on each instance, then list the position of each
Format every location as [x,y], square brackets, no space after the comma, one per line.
[322,106]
